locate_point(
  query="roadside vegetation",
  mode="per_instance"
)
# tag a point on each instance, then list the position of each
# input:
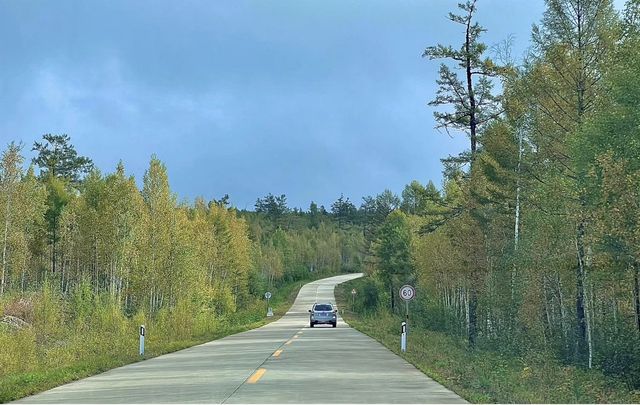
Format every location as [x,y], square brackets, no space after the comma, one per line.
[87,258]
[526,259]
[481,375]
[106,339]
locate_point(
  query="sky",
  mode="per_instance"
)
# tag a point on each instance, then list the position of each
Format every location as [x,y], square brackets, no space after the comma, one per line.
[311,99]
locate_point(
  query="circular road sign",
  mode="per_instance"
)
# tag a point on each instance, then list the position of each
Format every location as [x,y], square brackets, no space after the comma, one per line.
[353,292]
[407,292]
[267,295]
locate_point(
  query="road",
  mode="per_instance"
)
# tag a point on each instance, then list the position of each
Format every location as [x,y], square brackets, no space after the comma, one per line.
[282,362]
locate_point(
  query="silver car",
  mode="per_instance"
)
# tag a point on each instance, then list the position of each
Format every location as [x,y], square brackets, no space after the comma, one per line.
[323,314]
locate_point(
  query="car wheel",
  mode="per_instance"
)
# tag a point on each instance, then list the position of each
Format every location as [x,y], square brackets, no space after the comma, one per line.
[335,324]
[311,325]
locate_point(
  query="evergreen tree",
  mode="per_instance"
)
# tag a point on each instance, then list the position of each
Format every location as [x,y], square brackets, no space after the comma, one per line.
[471,98]
[343,210]
[58,158]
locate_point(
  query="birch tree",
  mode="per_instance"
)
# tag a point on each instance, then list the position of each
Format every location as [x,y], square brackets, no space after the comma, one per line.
[10,173]
[572,45]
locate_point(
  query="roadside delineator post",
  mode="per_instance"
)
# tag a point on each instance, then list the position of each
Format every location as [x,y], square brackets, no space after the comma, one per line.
[267,295]
[141,340]
[353,298]
[407,293]
[403,337]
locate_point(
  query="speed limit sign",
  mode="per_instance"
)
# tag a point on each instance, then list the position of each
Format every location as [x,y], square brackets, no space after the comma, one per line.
[407,292]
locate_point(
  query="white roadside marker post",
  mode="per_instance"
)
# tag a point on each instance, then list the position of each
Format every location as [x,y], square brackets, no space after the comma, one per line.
[353,298]
[267,295]
[407,293]
[141,340]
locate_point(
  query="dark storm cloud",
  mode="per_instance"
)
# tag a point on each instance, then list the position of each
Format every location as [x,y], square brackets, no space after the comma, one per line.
[311,99]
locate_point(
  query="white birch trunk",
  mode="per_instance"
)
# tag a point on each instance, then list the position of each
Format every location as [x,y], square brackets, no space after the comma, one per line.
[4,243]
[588,306]
[516,231]
[516,227]
[466,311]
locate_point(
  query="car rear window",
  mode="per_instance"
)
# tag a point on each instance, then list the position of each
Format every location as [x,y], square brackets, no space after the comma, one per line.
[323,307]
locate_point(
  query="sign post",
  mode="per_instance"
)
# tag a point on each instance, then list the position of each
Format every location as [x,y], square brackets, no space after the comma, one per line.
[407,293]
[353,298]
[141,340]
[267,295]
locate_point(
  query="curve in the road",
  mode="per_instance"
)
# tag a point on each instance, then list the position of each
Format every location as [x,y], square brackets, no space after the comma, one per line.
[282,362]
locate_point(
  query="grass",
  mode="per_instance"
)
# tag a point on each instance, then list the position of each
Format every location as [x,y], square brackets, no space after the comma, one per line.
[43,377]
[486,376]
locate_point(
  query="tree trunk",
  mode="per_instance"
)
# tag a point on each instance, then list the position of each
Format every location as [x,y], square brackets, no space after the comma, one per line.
[95,264]
[472,99]
[636,293]
[22,277]
[53,246]
[614,309]
[546,306]
[473,317]
[393,303]
[563,311]
[62,276]
[465,298]
[589,313]
[581,325]
[516,231]
[4,246]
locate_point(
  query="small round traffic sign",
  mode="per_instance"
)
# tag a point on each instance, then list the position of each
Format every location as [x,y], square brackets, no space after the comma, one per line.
[353,292]
[267,295]
[407,292]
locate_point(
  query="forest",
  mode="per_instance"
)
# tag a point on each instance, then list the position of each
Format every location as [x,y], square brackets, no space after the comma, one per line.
[87,257]
[529,247]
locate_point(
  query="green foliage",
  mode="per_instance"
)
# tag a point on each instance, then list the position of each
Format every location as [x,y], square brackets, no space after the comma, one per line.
[18,352]
[393,250]
[533,247]
[58,158]
[108,339]
[485,376]
[471,99]
[344,211]
[84,264]
[273,207]
[49,314]
[528,253]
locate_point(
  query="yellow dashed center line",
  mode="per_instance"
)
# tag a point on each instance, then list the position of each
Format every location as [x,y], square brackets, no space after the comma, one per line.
[289,342]
[256,376]
[277,353]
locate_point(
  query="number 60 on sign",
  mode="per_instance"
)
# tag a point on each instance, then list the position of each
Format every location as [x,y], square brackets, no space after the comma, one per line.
[407,292]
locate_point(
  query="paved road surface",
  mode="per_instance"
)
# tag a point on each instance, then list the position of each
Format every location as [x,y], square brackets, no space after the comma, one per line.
[282,362]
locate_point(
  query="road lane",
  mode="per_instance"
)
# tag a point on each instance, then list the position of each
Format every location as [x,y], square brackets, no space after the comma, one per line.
[282,362]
